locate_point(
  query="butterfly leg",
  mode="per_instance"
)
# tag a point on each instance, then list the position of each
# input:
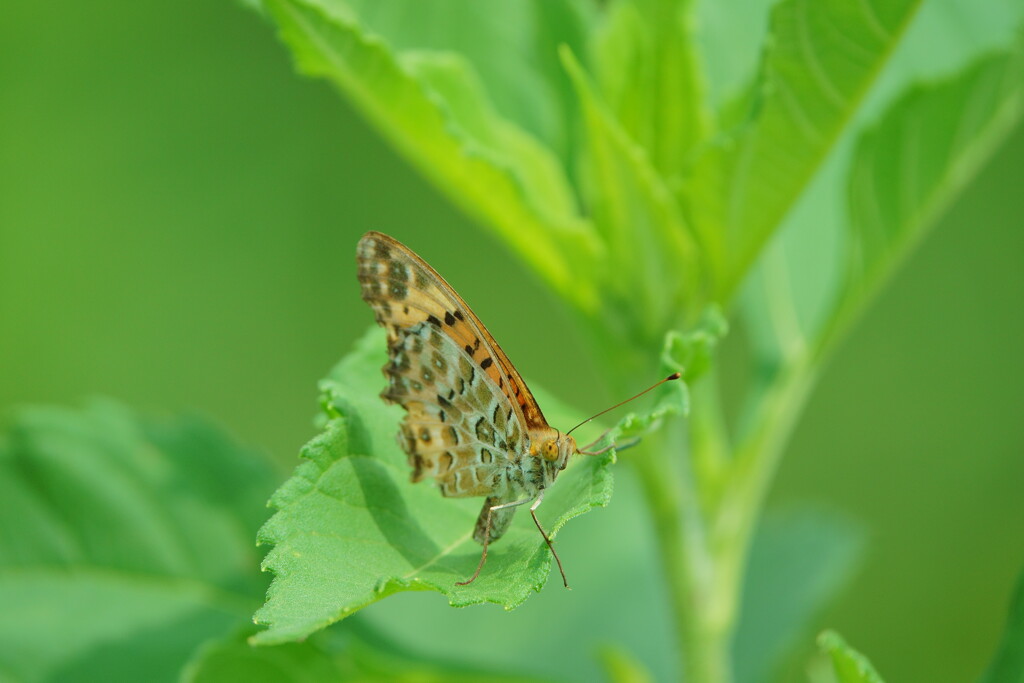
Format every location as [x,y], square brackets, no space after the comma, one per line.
[487,537]
[551,547]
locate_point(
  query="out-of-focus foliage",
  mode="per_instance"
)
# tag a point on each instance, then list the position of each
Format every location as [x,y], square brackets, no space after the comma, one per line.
[355,654]
[127,542]
[848,665]
[1008,663]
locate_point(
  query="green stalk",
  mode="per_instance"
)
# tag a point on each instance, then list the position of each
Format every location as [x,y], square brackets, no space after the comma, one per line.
[753,470]
[688,570]
[704,504]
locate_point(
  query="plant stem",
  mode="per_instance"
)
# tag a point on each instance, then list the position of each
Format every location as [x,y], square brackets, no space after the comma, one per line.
[671,496]
[705,518]
[753,469]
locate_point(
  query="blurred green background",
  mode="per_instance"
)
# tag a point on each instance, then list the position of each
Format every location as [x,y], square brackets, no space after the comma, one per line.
[178,217]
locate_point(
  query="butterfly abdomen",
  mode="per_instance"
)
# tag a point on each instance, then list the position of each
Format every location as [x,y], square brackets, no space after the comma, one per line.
[500,520]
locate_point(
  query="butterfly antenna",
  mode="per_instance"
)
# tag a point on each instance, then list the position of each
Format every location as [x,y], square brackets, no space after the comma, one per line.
[674,375]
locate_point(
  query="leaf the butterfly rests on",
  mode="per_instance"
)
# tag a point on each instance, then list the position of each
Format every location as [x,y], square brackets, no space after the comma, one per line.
[350,529]
[471,422]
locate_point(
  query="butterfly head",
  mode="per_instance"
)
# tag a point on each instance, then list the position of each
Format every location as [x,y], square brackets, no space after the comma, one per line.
[557,449]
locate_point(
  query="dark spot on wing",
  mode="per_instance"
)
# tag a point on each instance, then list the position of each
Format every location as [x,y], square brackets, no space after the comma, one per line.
[486,362]
[398,271]
[484,431]
[439,362]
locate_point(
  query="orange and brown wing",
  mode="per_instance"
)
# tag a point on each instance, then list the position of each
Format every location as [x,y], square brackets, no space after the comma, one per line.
[405,291]
[463,422]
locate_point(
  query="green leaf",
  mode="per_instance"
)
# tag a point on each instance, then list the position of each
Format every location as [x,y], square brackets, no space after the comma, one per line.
[811,283]
[336,654]
[799,560]
[621,667]
[691,353]
[647,69]
[820,60]
[351,528]
[639,221]
[432,107]
[850,666]
[916,159]
[126,542]
[511,44]
[234,659]
[1008,664]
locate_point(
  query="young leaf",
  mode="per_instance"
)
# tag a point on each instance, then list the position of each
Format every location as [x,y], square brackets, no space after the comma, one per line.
[821,58]
[924,150]
[905,170]
[432,108]
[352,529]
[126,542]
[850,666]
[691,352]
[512,46]
[646,66]
[1008,664]
[638,219]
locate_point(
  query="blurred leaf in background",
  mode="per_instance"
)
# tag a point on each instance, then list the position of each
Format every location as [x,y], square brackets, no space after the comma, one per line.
[354,653]
[848,665]
[127,542]
[1007,664]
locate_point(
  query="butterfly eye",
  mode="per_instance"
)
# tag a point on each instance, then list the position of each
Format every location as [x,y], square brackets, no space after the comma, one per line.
[550,450]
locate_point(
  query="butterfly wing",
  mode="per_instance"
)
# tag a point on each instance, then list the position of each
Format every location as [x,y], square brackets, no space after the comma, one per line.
[468,410]
[404,290]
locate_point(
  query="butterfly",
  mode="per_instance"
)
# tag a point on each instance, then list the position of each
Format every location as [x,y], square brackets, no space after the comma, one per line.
[471,423]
